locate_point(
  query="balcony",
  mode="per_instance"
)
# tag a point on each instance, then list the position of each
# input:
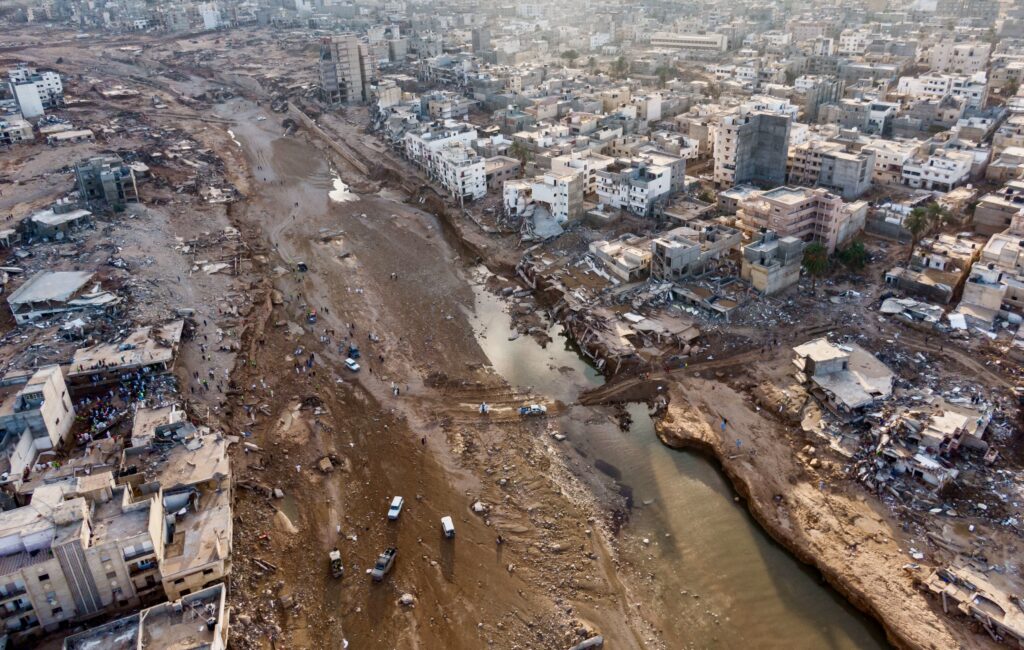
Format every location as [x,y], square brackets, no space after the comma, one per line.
[7,595]
[17,611]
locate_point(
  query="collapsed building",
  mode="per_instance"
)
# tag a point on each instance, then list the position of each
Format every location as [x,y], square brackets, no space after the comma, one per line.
[845,378]
[58,292]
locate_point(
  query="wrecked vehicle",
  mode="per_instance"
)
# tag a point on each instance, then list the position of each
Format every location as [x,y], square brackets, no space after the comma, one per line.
[385,562]
[534,409]
[337,570]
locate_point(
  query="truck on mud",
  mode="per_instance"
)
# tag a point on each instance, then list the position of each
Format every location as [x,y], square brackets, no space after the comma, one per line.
[385,562]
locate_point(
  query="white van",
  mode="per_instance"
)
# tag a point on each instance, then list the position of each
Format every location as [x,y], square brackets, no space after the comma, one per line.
[448,527]
[396,508]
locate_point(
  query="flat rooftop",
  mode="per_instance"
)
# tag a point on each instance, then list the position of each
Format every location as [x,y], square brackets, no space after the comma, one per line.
[58,286]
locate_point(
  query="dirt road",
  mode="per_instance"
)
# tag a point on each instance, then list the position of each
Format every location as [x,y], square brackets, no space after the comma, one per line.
[381,276]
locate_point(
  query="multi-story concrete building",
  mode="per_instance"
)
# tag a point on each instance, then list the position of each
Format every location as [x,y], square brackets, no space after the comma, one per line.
[811,215]
[634,186]
[996,210]
[423,146]
[77,550]
[973,89]
[15,129]
[347,70]
[105,182]
[854,41]
[35,412]
[688,250]
[35,90]
[966,57]
[558,193]
[891,155]
[942,171]
[690,42]
[586,163]
[198,621]
[751,147]
[772,264]
[828,164]
[462,172]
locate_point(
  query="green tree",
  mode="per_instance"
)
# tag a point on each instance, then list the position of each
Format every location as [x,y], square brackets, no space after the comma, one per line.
[855,256]
[815,262]
[923,221]
[592,63]
[664,72]
[570,56]
[621,66]
[520,153]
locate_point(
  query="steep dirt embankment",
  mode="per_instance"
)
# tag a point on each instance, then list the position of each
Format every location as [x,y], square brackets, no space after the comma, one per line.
[822,518]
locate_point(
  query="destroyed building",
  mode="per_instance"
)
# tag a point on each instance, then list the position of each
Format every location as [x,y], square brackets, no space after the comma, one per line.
[846,378]
[937,267]
[105,182]
[771,263]
[347,69]
[57,292]
[49,224]
[197,621]
[190,468]
[147,349]
[976,595]
[689,250]
[36,415]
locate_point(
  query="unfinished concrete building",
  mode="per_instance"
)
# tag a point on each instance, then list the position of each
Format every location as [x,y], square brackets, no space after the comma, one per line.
[105,182]
[347,68]
[771,263]
[688,250]
[829,165]
[752,148]
[811,215]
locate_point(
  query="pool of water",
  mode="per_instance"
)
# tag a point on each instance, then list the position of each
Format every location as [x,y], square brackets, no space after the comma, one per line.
[718,578]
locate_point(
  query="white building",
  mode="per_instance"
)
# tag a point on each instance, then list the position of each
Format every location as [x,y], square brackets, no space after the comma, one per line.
[634,188]
[560,194]
[690,42]
[853,41]
[941,171]
[972,88]
[424,146]
[960,58]
[586,163]
[35,90]
[462,172]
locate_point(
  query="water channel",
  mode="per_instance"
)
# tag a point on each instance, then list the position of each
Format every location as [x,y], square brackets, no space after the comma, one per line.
[701,540]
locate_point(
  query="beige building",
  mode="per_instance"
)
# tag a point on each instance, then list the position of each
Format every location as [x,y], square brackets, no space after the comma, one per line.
[995,211]
[772,264]
[807,214]
[191,469]
[199,621]
[36,415]
[81,547]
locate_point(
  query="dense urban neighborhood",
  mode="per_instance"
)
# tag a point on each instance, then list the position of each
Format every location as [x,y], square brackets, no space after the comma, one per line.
[447,324]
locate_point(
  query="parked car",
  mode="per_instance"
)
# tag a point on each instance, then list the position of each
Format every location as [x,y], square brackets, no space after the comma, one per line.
[448,527]
[396,508]
[351,364]
[385,562]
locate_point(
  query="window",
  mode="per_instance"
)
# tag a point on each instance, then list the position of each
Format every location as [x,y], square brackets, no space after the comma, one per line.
[207,572]
[179,581]
[111,575]
[43,577]
[56,611]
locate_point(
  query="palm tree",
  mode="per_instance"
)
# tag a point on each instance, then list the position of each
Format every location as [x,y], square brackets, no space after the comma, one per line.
[816,262]
[922,221]
[520,153]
